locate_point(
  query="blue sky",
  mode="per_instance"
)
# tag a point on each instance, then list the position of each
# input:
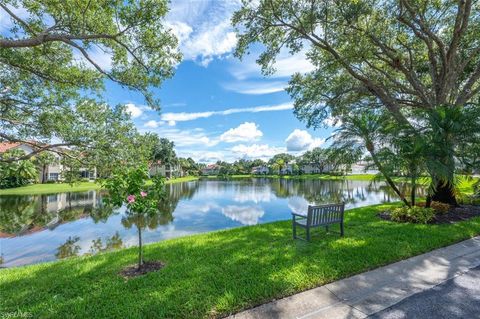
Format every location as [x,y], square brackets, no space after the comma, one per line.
[217,107]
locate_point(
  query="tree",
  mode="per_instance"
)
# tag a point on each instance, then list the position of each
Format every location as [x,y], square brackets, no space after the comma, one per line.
[280,161]
[53,56]
[129,187]
[189,167]
[43,160]
[364,131]
[318,157]
[163,152]
[16,174]
[410,59]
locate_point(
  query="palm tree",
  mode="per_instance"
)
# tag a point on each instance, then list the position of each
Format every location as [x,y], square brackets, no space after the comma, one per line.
[365,131]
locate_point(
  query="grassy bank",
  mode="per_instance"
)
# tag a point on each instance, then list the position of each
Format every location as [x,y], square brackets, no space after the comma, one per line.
[218,273]
[37,189]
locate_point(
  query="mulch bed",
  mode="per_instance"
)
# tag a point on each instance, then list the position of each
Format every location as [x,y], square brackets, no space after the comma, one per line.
[455,214]
[148,266]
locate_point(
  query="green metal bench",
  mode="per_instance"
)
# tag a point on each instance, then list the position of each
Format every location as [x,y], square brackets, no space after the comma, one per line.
[318,216]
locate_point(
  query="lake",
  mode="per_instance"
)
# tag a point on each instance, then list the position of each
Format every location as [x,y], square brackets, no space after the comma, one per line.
[41,228]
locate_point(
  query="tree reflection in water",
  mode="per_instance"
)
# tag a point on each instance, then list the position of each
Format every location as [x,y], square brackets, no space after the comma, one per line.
[334,191]
[111,243]
[69,249]
[25,214]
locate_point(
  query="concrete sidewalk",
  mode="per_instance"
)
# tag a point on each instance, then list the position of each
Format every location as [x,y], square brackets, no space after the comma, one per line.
[368,293]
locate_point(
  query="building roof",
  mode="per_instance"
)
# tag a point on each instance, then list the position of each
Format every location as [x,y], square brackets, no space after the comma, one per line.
[5,146]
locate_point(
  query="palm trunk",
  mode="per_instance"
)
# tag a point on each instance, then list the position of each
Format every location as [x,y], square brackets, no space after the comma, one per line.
[389,180]
[444,193]
[414,190]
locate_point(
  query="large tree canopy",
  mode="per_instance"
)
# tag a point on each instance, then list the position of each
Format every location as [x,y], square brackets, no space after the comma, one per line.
[417,61]
[56,53]
[408,54]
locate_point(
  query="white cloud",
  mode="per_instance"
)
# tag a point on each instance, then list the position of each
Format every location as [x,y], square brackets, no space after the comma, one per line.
[256,88]
[246,215]
[247,131]
[256,195]
[133,110]
[208,156]
[203,28]
[180,29]
[184,116]
[300,140]
[285,66]
[151,124]
[189,138]
[262,151]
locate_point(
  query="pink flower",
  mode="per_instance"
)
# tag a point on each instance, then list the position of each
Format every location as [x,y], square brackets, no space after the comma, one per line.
[131,198]
[143,193]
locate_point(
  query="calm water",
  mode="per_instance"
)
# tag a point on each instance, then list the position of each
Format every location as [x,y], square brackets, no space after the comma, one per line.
[46,227]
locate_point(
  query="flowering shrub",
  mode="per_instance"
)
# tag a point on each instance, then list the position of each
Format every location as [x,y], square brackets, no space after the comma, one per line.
[415,214]
[142,196]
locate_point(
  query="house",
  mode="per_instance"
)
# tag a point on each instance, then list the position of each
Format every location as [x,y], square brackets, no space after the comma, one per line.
[52,171]
[312,168]
[363,167]
[165,170]
[260,170]
[287,169]
[211,169]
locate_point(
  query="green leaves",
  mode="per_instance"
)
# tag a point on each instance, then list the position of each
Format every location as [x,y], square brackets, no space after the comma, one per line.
[133,188]
[54,61]
[131,33]
[16,174]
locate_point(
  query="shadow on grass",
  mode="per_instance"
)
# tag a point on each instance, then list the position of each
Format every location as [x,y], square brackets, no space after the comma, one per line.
[215,274]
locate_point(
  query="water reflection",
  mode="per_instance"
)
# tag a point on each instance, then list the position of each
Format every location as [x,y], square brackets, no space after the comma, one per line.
[69,249]
[111,243]
[46,227]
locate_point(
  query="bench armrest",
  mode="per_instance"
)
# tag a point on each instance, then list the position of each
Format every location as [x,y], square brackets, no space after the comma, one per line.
[299,215]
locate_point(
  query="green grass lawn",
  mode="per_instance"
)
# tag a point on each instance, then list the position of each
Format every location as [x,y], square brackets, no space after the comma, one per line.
[36,189]
[221,272]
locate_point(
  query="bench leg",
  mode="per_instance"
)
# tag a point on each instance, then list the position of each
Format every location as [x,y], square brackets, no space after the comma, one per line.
[341,229]
[326,228]
[308,233]
[294,229]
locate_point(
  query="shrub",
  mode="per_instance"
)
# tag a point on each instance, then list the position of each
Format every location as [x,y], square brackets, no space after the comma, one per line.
[469,199]
[415,214]
[440,208]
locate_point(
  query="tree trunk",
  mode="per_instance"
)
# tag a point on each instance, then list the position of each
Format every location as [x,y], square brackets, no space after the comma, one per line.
[140,248]
[414,190]
[444,193]
[44,173]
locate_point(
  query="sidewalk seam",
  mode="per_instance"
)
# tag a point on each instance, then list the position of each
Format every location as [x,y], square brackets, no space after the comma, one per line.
[345,301]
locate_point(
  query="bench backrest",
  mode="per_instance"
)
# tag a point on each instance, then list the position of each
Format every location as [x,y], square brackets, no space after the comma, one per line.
[325,214]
